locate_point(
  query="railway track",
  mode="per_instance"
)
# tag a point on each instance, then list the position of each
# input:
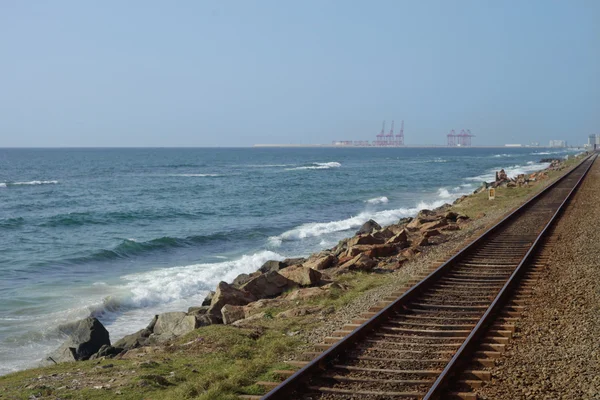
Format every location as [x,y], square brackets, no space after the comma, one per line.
[430,341]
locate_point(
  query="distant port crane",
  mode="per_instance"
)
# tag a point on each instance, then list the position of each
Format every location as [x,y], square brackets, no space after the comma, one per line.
[462,139]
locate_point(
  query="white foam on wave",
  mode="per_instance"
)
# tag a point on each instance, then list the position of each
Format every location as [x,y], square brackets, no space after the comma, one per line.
[269,165]
[2,185]
[501,155]
[28,183]
[444,193]
[327,165]
[511,172]
[196,175]
[378,200]
[169,284]
[385,217]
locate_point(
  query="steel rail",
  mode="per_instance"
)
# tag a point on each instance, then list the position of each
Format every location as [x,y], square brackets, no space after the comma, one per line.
[288,386]
[468,346]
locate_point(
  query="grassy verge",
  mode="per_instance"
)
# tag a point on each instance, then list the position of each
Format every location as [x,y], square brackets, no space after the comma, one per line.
[220,362]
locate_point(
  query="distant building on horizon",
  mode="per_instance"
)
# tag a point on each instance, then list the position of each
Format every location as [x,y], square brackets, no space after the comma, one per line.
[558,143]
[593,141]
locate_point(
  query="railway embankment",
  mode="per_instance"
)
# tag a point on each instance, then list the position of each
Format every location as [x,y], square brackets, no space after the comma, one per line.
[556,352]
[220,349]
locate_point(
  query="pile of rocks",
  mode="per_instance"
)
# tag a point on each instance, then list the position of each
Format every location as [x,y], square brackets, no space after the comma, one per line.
[242,301]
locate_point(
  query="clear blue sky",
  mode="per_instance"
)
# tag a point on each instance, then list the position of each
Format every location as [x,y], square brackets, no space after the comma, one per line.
[236,73]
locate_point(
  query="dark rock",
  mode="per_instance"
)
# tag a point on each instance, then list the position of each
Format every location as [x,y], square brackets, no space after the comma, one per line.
[293,261]
[198,310]
[368,227]
[451,216]
[272,265]
[426,213]
[106,351]
[135,340]
[208,298]
[404,221]
[241,279]
[400,238]
[86,337]
[150,326]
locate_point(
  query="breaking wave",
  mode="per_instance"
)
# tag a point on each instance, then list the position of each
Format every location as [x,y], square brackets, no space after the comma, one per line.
[131,247]
[197,175]
[378,200]
[385,217]
[316,165]
[184,282]
[512,171]
[9,184]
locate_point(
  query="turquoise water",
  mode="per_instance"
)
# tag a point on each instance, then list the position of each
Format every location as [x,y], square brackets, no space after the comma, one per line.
[126,233]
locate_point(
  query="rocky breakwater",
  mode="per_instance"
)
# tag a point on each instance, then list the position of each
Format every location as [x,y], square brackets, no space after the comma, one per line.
[372,249]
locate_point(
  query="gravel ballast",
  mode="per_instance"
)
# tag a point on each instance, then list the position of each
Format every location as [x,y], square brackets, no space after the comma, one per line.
[556,353]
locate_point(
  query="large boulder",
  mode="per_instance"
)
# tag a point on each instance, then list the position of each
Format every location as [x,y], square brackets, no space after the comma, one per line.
[228,294]
[230,313]
[86,337]
[300,275]
[241,279]
[173,324]
[368,227]
[417,222]
[135,340]
[382,250]
[321,262]
[425,213]
[272,265]
[364,239]
[293,261]
[208,299]
[266,285]
[107,351]
[359,263]
[401,238]
[434,224]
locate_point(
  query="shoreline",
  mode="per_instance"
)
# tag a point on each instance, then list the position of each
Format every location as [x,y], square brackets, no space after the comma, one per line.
[326,278]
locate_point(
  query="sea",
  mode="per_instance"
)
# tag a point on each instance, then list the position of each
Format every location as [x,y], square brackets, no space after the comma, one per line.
[124,234]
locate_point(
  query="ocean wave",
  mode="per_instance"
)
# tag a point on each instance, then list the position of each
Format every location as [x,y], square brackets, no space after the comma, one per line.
[29,183]
[545,153]
[131,247]
[316,165]
[269,165]
[93,218]
[511,172]
[9,223]
[385,217]
[501,155]
[197,175]
[378,200]
[166,285]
